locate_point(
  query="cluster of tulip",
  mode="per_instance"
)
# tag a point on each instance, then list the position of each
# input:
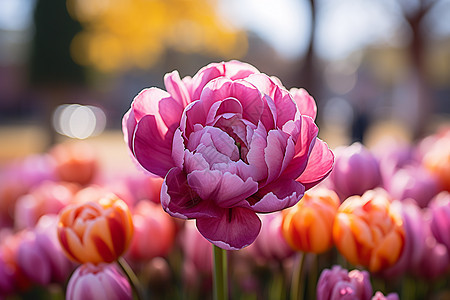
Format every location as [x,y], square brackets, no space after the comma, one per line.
[68,230]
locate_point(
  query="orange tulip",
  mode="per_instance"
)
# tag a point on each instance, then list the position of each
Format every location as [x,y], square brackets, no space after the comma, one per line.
[308,225]
[437,160]
[368,232]
[95,231]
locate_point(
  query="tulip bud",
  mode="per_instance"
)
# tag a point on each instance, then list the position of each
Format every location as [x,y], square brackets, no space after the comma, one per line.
[75,162]
[308,225]
[368,232]
[355,171]
[95,232]
[102,281]
[379,296]
[338,283]
[440,222]
[413,182]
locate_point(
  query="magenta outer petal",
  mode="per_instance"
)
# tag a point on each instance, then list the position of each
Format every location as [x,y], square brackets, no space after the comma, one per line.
[234,229]
[303,147]
[177,88]
[179,200]
[320,164]
[128,125]
[151,150]
[277,196]
[305,103]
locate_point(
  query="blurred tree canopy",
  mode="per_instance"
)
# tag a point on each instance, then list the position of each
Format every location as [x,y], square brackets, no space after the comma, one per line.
[119,35]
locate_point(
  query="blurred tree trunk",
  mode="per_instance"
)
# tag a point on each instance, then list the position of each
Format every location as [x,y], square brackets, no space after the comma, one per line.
[53,73]
[417,52]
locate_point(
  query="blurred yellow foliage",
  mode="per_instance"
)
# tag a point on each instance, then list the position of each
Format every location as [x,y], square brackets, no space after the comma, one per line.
[123,34]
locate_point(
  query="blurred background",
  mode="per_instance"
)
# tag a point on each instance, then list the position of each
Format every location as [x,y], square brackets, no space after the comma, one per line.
[70,69]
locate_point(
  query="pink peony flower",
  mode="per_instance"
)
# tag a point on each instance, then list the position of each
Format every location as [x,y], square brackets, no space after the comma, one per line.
[102,281]
[231,142]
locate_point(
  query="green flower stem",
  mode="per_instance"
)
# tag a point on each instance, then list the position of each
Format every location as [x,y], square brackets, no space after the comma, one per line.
[220,274]
[298,278]
[132,278]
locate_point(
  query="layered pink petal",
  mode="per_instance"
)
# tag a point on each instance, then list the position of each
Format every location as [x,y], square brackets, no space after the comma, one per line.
[305,103]
[233,190]
[320,164]
[179,200]
[233,229]
[251,99]
[277,196]
[232,70]
[303,148]
[152,151]
[177,88]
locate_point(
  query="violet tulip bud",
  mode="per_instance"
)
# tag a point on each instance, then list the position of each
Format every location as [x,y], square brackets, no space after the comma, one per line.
[98,282]
[415,236]
[355,171]
[413,182]
[337,283]
[40,256]
[379,296]
[440,222]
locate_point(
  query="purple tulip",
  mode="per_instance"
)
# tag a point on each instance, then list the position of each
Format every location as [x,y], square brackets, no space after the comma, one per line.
[338,283]
[97,282]
[230,142]
[413,182]
[356,170]
[440,222]
[435,260]
[40,256]
[379,296]
[415,235]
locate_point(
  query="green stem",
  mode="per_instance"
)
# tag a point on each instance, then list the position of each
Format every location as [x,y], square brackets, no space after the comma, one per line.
[276,289]
[132,278]
[220,274]
[298,278]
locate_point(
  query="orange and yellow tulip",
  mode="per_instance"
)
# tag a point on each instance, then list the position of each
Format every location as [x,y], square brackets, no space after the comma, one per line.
[95,231]
[368,232]
[308,225]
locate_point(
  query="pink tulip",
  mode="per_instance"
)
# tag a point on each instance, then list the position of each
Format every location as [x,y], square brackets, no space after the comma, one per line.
[356,171]
[47,198]
[197,251]
[98,282]
[154,231]
[270,244]
[338,283]
[230,142]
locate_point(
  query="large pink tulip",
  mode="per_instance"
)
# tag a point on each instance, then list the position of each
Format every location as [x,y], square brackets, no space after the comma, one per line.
[230,142]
